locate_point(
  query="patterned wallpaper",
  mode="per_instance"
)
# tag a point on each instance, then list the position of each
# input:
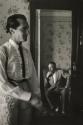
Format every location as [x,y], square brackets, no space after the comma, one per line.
[56,39]
[7,8]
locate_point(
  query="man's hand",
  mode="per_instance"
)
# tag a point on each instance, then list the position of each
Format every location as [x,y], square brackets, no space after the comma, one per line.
[48,74]
[36,102]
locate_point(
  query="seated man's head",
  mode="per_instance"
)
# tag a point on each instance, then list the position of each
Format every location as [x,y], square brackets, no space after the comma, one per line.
[52,67]
[18,27]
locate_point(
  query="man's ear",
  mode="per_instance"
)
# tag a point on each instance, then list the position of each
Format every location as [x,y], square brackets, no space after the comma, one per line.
[12,30]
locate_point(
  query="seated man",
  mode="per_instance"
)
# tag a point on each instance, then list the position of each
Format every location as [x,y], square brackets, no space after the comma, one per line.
[55,83]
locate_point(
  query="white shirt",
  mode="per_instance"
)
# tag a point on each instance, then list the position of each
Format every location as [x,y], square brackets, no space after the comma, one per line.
[14,68]
[55,77]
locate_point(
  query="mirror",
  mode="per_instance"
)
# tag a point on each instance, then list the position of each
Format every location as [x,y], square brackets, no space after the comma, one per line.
[53,42]
[53,38]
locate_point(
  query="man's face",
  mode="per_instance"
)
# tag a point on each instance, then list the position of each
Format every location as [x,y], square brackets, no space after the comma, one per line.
[51,68]
[20,34]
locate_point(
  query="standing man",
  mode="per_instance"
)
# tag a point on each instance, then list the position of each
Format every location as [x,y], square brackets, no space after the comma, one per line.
[19,87]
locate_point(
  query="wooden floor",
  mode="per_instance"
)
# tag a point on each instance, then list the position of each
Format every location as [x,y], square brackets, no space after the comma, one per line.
[58,119]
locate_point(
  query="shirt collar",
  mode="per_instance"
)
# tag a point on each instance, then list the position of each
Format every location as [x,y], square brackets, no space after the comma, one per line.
[12,42]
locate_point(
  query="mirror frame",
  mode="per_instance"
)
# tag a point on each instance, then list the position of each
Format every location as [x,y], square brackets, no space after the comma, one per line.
[60,5]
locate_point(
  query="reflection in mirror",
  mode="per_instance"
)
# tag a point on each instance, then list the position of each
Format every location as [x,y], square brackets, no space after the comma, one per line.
[53,42]
[53,38]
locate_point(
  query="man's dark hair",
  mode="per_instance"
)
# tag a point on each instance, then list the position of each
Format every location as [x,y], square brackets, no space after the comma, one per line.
[12,21]
[53,63]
